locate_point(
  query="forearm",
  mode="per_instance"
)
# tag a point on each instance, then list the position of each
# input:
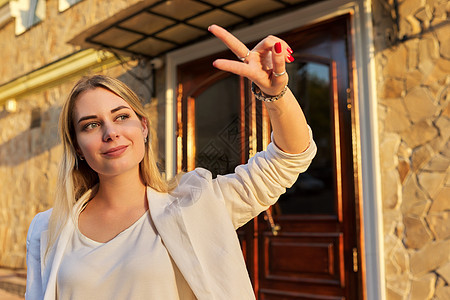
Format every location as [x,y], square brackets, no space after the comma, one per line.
[290,131]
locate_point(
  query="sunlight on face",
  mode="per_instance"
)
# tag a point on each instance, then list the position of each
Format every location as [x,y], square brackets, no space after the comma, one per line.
[109,134]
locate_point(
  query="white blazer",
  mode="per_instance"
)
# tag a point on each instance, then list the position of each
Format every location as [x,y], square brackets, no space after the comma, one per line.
[197,223]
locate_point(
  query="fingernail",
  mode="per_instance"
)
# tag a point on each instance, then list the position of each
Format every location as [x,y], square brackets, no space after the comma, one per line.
[291,58]
[278,47]
[290,50]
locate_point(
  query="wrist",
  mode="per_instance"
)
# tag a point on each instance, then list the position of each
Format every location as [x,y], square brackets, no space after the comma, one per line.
[260,95]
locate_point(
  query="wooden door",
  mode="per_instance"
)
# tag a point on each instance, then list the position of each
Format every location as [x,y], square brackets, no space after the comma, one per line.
[307,246]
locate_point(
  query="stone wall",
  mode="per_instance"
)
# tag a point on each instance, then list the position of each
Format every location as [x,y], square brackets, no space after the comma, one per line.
[47,41]
[412,43]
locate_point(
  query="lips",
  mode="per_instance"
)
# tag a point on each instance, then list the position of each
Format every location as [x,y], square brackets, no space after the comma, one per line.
[115,152]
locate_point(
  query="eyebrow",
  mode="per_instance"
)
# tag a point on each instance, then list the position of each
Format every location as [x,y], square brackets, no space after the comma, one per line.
[94,116]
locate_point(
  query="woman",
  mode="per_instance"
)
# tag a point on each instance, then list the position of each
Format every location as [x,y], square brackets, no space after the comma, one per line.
[119,231]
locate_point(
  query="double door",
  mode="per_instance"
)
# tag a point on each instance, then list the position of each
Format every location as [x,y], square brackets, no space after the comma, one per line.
[306,246]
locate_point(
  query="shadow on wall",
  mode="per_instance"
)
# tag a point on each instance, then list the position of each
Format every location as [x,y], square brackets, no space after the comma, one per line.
[41,136]
[40,127]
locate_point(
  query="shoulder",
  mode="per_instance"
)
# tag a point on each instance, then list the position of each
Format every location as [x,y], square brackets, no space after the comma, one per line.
[196,177]
[38,225]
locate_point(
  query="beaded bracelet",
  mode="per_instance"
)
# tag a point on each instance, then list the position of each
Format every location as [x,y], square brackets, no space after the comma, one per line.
[263,97]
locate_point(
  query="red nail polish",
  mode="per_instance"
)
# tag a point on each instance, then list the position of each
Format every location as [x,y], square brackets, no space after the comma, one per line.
[278,47]
[291,58]
[290,50]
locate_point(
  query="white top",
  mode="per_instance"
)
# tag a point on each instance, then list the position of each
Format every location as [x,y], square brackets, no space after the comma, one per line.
[133,265]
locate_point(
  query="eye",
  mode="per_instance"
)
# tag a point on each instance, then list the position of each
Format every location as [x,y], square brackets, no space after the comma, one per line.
[90,126]
[122,117]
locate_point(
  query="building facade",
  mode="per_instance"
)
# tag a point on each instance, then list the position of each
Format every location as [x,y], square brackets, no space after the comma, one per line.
[369,220]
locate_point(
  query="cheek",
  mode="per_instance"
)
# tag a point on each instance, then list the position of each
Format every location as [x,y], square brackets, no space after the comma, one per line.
[87,145]
[140,147]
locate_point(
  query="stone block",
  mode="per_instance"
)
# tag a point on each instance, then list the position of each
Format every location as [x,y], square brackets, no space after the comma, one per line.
[404,151]
[420,104]
[396,62]
[443,124]
[419,134]
[400,284]
[388,154]
[394,295]
[439,224]
[413,52]
[395,116]
[425,15]
[400,257]
[391,189]
[435,80]
[421,156]
[440,282]
[444,272]
[443,36]
[410,7]
[391,88]
[443,98]
[443,293]
[431,182]
[431,257]
[442,200]
[409,26]
[438,163]
[417,233]
[428,47]
[423,288]
[403,169]
[391,219]
[414,200]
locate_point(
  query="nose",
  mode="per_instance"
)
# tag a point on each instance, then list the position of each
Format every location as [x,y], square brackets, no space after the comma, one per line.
[110,132]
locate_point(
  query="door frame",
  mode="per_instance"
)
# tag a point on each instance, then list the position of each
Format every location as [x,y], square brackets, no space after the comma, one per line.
[365,127]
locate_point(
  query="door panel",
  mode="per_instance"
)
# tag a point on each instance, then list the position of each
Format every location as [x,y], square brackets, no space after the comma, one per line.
[303,248]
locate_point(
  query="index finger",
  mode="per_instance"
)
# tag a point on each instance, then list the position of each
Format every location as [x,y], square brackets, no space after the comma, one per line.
[232,42]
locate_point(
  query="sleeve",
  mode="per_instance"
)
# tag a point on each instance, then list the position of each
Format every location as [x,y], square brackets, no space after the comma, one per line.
[253,187]
[34,280]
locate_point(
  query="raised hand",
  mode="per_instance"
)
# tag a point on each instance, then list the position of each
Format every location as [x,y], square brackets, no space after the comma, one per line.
[264,64]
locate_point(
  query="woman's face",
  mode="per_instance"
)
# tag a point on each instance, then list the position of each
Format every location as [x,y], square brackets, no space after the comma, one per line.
[109,134]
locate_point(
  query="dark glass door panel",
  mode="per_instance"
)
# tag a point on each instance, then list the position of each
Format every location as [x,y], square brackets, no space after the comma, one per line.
[218,126]
[313,193]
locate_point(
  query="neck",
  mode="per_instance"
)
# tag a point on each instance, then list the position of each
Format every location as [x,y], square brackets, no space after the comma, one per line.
[122,191]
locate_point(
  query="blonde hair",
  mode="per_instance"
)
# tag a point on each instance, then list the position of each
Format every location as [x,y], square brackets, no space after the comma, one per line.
[75,177]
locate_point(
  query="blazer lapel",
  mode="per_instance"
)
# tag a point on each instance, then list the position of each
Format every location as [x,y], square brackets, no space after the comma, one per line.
[51,265]
[169,221]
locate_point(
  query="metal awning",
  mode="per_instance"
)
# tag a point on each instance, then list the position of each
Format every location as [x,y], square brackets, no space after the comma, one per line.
[152,28]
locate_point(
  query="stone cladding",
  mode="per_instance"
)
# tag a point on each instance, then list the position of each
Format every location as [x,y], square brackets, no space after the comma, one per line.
[412,45]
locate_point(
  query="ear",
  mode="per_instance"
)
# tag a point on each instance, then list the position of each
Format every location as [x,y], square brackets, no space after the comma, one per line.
[79,153]
[144,124]
[77,149]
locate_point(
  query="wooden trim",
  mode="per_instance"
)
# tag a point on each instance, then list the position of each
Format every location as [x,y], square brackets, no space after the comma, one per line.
[180,132]
[337,140]
[190,134]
